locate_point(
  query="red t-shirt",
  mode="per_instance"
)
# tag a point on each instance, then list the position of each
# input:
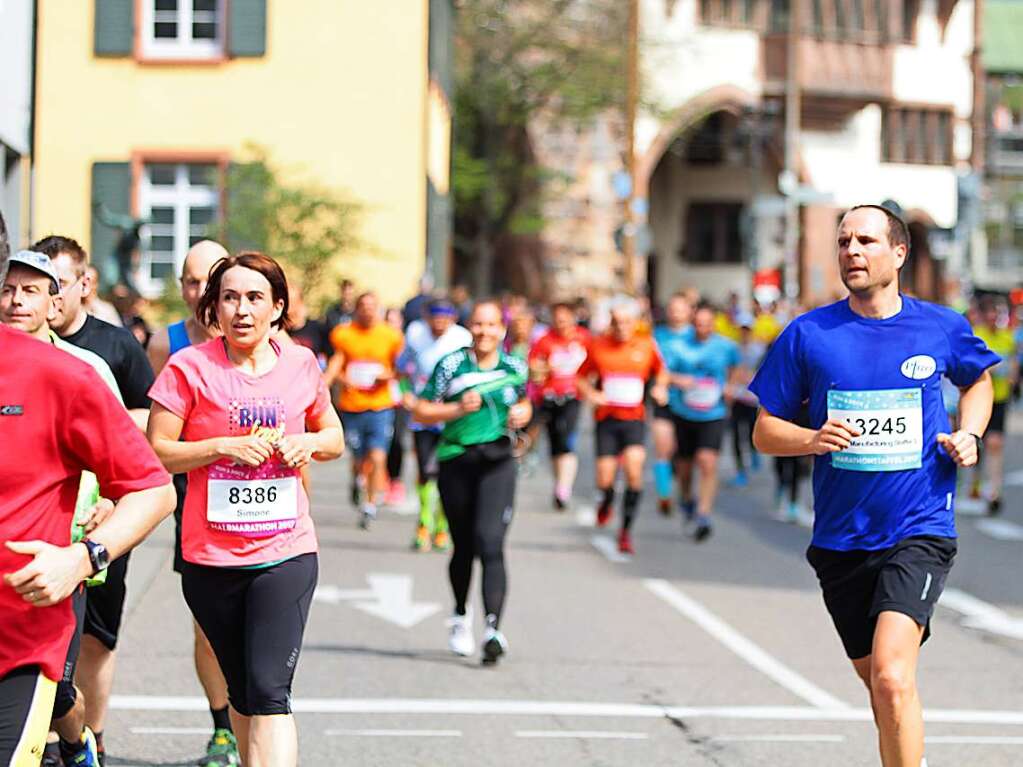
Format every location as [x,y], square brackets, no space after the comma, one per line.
[57,419]
[624,370]
[563,356]
[240,516]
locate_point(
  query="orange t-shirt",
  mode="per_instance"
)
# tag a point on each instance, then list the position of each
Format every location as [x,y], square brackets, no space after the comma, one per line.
[368,353]
[624,370]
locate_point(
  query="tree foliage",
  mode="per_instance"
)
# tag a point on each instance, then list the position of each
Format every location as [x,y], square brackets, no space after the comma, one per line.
[307,227]
[516,61]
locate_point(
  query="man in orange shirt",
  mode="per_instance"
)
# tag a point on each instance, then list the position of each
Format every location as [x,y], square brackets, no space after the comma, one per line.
[622,363]
[365,359]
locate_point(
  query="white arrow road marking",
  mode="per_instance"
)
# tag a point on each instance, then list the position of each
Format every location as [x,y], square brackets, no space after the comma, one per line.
[751,653]
[1013,479]
[389,597]
[980,615]
[971,507]
[1000,530]
[586,516]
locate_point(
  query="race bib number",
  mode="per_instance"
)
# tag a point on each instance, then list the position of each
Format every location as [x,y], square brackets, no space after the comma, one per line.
[238,503]
[623,391]
[565,361]
[704,394]
[364,375]
[891,422]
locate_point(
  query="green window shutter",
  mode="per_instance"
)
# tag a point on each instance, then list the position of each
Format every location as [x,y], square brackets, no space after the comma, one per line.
[114,27]
[111,196]
[246,27]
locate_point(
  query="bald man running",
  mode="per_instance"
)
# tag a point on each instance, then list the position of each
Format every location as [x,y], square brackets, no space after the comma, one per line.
[222,748]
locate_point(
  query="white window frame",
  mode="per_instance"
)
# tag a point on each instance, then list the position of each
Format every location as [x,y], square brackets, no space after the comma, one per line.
[182,197]
[183,46]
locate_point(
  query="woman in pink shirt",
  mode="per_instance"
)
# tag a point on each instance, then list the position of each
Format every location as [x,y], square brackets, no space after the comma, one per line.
[242,415]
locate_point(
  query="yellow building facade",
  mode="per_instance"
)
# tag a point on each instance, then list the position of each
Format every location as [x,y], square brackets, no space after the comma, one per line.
[144,103]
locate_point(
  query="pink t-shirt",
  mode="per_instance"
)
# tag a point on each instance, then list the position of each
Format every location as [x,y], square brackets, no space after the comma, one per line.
[238,515]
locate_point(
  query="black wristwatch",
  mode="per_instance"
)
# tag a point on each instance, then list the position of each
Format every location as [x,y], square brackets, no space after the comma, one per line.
[980,442]
[98,555]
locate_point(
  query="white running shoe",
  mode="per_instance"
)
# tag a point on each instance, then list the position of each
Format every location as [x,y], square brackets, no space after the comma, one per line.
[494,646]
[460,639]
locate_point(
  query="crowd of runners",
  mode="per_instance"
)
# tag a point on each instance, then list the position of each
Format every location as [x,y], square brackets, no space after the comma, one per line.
[885,394]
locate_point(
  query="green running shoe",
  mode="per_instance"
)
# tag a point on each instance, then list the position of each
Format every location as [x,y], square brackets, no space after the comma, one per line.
[221,751]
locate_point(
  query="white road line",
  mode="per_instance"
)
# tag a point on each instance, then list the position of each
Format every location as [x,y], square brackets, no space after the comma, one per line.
[172,730]
[753,654]
[396,733]
[975,740]
[581,734]
[607,547]
[978,614]
[779,739]
[469,707]
[970,507]
[1000,530]
[586,516]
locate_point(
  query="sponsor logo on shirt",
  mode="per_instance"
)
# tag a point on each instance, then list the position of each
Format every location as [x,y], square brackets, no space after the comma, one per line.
[919,367]
[12,410]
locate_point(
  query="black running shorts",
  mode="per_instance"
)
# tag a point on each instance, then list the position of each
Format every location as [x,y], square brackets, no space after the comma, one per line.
[26,704]
[104,606]
[255,620]
[999,411]
[562,419]
[691,436]
[859,585]
[614,435]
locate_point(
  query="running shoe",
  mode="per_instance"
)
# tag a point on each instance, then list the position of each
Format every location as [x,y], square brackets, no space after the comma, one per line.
[604,514]
[494,646]
[88,756]
[395,493]
[664,506]
[460,640]
[975,490]
[688,509]
[559,505]
[755,461]
[994,507]
[441,541]
[422,540]
[625,543]
[741,480]
[221,751]
[51,755]
[367,513]
[702,530]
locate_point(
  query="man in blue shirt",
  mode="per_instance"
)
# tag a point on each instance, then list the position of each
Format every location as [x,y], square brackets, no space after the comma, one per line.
[677,330]
[701,374]
[869,368]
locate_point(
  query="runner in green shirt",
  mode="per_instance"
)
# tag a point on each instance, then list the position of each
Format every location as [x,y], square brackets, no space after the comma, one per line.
[480,395]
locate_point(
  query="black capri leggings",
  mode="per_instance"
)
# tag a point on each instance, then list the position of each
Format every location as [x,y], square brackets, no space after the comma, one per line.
[478,492]
[66,692]
[743,418]
[426,442]
[254,619]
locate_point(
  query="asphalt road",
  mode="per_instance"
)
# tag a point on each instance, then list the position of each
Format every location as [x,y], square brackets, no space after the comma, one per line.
[713,654]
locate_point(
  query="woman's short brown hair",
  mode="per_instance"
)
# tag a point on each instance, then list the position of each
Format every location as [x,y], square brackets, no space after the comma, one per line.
[257,262]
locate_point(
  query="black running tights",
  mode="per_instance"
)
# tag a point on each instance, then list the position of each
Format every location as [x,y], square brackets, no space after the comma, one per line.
[478,494]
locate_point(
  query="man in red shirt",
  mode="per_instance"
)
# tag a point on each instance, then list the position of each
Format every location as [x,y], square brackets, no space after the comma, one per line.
[554,362]
[64,420]
[623,363]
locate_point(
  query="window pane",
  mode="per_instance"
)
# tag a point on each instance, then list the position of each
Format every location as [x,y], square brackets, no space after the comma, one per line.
[204,31]
[166,5]
[161,243]
[201,216]
[204,5]
[161,270]
[161,216]
[163,30]
[202,175]
[161,175]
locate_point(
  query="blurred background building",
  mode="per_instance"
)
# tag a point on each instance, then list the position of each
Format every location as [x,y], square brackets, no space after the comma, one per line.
[15,114]
[142,106]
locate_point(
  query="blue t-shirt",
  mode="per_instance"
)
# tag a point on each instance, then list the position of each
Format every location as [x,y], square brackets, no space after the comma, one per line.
[708,362]
[896,481]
